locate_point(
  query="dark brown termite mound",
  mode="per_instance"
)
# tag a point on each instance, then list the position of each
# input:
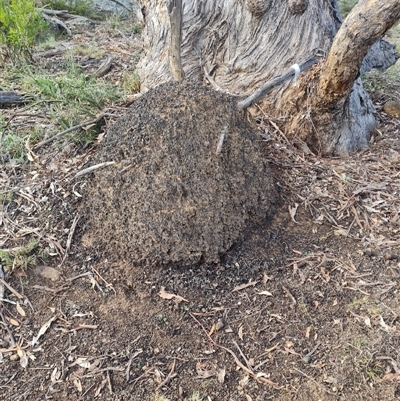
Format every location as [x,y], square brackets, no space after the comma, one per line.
[189,176]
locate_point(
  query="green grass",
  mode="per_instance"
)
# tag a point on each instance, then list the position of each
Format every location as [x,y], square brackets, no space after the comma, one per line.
[21,257]
[346,6]
[69,96]
[131,82]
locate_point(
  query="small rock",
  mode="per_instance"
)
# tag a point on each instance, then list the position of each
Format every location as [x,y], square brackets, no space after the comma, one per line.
[219,325]
[392,108]
[48,272]
[391,256]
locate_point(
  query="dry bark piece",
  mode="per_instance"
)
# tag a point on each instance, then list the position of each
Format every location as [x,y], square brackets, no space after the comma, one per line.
[12,98]
[179,201]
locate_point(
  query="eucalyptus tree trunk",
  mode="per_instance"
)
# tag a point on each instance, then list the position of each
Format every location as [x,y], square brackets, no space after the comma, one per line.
[238,45]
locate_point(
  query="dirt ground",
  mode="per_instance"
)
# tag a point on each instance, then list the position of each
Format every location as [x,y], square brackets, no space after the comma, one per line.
[306,307]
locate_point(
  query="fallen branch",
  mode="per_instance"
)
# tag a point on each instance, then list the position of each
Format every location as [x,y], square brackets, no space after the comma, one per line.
[58,23]
[104,68]
[11,98]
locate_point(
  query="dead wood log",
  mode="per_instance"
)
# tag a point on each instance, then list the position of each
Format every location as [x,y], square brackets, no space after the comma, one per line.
[13,98]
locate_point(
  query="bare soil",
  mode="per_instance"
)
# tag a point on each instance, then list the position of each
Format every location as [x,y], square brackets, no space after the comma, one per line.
[304,307]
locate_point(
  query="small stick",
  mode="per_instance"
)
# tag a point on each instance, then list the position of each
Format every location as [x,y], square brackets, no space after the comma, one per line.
[67,131]
[13,343]
[170,376]
[52,290]
[85,326]
[260,93]
[69,241]
[109,382]
[93,168]
[220,143]
[290,295]
[241,353]
[80,276]
[313,380]
[1,284]
[108,285]
[128,367]
[142,376]
[16,293]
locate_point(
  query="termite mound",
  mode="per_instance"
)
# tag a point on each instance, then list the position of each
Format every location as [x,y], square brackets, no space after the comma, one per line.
[189,176]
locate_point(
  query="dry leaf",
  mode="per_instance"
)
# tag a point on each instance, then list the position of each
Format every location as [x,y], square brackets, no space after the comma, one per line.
[308,330]
[83,362]
[221,375]
[267,293]
[265,279]
[102,385]
[293,211]
[43,330]
[78,384]
[243,382]
[248,398]
[29,154]
[220,324]
[243,286]
[212,330]
[48,272]
[12,321]
[55,375]
[20,310]
[166,295]
[385,327]
[331,380]
[158,376]
[240,332]
[94,364]
[23,359]
[390,377]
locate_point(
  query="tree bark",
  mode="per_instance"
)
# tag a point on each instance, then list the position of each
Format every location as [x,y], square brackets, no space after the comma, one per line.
[237,46]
